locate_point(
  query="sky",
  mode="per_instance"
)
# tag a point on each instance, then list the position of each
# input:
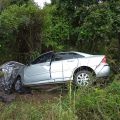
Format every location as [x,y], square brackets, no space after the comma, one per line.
[41,2]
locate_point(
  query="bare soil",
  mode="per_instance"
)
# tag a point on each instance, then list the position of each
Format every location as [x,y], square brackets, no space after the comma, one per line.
[41,94]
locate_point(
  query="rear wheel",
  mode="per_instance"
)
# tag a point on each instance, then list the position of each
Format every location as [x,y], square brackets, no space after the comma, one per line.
[83,78]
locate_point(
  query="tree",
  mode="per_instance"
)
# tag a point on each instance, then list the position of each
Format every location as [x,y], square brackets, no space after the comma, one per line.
[56,31]
[21,30]
[94,25]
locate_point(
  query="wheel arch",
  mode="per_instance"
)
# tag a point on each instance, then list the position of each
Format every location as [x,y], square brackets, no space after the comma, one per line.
[13,84]
[18,76]
[83,68]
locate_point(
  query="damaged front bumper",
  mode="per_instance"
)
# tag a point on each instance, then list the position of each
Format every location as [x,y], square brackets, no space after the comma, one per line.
[9,72]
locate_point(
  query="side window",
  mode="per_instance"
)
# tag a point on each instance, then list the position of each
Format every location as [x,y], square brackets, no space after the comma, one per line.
[75,55]
[43,58]
[66,56]
[63,56]
[57,57]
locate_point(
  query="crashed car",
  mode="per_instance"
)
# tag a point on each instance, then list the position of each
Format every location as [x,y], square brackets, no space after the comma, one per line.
[50,68]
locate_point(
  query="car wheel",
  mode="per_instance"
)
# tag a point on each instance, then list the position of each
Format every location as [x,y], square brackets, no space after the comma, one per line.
[19,88]
[17,85]
[83,78]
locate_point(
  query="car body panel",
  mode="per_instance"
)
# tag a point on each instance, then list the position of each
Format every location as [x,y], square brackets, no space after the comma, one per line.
[68,67]
[103,70]
[37,72]
[56,70]
[60,69]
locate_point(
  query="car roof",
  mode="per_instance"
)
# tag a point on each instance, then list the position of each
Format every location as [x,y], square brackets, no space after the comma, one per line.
[83,54]
[80,53]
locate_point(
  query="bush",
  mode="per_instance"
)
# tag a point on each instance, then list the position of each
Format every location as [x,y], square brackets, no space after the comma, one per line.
[95,103]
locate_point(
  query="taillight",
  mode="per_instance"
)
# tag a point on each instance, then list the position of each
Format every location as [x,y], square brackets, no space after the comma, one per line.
[104,60]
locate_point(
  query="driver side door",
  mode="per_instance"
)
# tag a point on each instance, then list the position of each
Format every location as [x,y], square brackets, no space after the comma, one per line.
[39,70]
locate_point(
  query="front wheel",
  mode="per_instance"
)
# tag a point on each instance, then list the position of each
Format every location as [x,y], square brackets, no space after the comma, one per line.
[17,85]
[19,88]
[83,78]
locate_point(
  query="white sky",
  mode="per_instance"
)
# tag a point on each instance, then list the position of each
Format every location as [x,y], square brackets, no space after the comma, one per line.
[41,2]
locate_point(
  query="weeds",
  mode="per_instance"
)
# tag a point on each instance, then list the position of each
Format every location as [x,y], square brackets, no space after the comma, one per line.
[87,103]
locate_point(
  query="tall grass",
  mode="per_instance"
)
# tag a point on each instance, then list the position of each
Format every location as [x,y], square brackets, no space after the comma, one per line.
[87,103]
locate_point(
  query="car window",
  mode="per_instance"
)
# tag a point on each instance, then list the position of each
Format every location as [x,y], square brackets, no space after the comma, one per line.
[58,57]
[75,55]
[43,58]
[66,56]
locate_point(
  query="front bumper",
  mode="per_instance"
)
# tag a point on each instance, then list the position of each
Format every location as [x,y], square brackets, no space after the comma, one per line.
[104,72]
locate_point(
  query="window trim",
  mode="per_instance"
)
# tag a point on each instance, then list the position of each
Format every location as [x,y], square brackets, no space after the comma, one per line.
[41,56]
[72,54]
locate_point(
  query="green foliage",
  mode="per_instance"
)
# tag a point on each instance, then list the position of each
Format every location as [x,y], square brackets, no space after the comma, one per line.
[86,103]
[80,25]
[21,26]
[92,103]
[97,28]
[97,104]
[93,27]
[6,3]
[25,111]
[19,2]
[56,32]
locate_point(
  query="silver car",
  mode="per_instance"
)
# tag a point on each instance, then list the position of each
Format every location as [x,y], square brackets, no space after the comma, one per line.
[61,67]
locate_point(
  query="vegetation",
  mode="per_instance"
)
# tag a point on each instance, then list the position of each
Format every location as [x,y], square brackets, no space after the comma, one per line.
[20,31]
[90,103]
[88,26]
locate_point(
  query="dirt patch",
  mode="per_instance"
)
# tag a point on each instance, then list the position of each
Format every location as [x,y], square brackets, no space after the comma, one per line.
[43,94]
[7,98]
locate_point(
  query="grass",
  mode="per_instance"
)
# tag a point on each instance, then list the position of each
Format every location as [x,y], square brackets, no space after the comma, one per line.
[87,103]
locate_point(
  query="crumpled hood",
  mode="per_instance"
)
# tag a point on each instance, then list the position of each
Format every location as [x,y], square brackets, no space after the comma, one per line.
[10,71]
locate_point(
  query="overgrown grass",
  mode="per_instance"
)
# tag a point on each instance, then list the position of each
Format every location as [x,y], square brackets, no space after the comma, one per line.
[87,103]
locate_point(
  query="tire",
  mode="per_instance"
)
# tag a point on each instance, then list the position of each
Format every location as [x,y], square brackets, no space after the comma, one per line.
[17,85]
[19,88]
[83,78]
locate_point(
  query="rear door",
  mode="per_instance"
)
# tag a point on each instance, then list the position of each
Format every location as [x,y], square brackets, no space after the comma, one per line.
[57,68]
[63,66]
[69,64]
